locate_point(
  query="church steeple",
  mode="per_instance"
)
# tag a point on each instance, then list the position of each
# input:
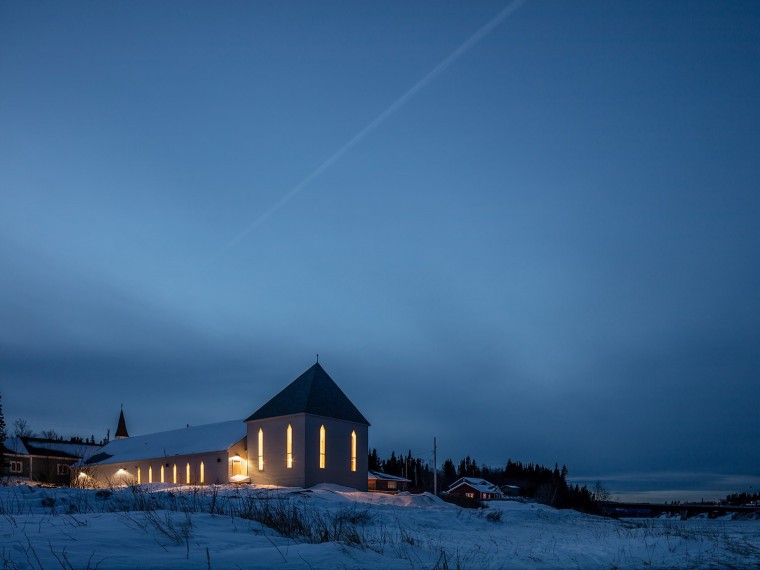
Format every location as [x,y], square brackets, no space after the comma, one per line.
[121,429]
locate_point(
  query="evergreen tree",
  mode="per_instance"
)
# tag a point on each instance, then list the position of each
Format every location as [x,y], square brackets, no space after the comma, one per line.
[373,461]
[449,471]
[393,466]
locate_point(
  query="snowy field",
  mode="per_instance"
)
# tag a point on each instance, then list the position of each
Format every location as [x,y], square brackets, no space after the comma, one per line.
[332,527]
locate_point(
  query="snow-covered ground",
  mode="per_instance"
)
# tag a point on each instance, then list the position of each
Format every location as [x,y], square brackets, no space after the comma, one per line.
[160,526]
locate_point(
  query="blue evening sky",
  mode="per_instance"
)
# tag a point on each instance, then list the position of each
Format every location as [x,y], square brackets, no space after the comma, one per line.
[547,252]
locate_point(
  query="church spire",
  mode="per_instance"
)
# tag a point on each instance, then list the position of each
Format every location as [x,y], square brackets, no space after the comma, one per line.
[121,429]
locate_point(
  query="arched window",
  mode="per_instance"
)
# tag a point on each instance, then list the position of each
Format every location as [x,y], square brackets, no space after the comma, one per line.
[203,473]
[261,449]
[289,448]
[174,474]
[139,476]
[322,447]
[187,473]
[150,474]
[163,479]
[353,451]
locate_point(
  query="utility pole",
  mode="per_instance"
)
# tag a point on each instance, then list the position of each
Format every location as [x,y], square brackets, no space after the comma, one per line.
[435,468]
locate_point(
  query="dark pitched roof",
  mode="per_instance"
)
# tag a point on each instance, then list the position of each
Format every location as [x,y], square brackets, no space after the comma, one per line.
[121,429]
[44,447]
[313,392]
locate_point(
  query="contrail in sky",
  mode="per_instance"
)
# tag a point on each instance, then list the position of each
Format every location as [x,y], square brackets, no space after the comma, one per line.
[380,119]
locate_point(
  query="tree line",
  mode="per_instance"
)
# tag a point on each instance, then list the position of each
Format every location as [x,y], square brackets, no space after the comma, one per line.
[543,484]
[739,499]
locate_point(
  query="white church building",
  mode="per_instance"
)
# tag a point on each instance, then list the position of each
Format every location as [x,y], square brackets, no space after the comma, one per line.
[307,434]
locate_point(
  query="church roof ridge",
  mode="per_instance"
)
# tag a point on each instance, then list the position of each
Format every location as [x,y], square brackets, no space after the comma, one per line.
[313,392]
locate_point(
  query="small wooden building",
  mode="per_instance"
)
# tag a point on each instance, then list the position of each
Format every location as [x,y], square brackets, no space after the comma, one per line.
[43,460]
[384,483]
[510,490]
[474,488]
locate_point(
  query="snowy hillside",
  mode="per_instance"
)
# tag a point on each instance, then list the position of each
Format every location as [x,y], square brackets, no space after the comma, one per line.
[332,527]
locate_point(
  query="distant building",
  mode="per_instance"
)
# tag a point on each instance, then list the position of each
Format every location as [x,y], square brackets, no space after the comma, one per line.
[44,460]
[474,488]
[384,483]
[307,434]
[510,490]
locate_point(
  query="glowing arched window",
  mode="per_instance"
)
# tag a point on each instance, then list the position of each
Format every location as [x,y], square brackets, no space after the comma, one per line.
[322,447]
[150,474]
[163,479]
[187,473]
[261,449]
[203,472]
[174,474]
[139,476]
[289,448]
[353,451]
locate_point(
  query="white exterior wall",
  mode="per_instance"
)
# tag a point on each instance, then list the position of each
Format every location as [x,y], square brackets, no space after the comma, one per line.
[217,468]
[337,468]
[306,471]
[275,470]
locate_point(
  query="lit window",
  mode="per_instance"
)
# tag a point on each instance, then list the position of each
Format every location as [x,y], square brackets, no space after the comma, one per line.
[289,450]
[203,473]
[353,451]
[163,479]
[62,469]
[187,473]
[392,485]
[322,447]
[261,449]
[174,474]
[139,476]
[16,467]
[150,474]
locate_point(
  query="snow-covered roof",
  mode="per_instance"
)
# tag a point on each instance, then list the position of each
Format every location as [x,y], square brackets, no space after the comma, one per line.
[186,441]
[478,484]
[45,447]
[15,445]
[379,475]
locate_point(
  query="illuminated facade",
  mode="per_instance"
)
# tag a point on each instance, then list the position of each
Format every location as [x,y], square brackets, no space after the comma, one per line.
[214,453]
[310,433]
[307,434]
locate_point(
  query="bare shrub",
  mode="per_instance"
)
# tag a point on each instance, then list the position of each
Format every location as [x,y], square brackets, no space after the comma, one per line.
[297,519]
